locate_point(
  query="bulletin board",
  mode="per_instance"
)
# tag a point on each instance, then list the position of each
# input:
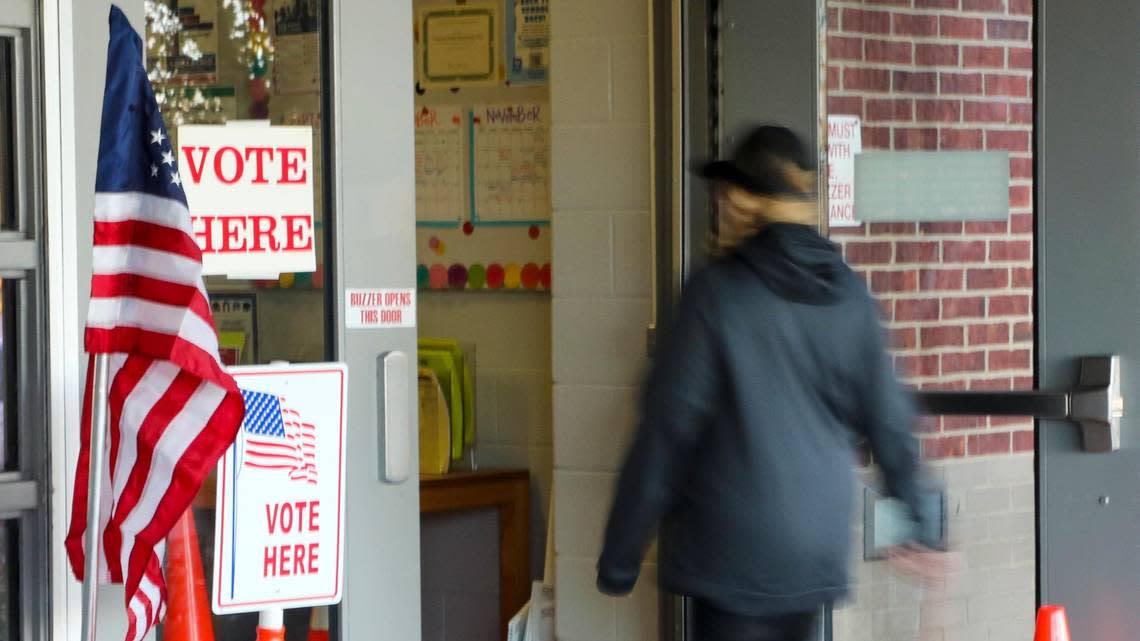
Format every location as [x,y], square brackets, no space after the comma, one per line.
[483,205]
[483,197]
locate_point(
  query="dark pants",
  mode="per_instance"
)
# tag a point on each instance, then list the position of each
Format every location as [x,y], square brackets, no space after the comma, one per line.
[711,624]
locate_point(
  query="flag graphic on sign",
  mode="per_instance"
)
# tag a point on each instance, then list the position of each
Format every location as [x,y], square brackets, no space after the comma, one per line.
[276,438]
[173,410]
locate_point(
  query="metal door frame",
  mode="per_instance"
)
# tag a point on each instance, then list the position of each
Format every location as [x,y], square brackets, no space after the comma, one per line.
[374,199]
[686,124]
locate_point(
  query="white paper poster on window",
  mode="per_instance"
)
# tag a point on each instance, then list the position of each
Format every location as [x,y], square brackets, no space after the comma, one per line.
[440,176]
[250,192]
[528,40]
[844,141]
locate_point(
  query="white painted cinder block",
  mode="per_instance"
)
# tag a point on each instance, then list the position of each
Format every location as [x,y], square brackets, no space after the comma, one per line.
[636,614]
[600,167]
[630,64]
[632,255]
[486,405]
[583,93]
[593,18]
[600,341]
[987,500]
[582,254]
[581,612]
[580,512]
[524,407]
[595,426]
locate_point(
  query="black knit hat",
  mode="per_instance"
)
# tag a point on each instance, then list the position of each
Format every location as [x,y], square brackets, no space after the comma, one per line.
[757,162]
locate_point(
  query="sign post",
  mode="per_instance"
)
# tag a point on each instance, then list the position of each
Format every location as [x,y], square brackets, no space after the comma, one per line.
[279,531]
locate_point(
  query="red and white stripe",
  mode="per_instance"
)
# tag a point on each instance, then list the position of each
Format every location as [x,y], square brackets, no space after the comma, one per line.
[304,435]
[173,409]
[296,453]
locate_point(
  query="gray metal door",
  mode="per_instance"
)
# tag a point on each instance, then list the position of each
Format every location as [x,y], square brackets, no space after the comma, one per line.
[1088,300]
[733,63]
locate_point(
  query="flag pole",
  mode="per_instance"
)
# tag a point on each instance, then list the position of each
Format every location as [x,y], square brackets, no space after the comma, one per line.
[98,429]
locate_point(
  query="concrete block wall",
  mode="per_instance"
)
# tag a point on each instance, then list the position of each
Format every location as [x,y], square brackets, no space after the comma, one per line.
[991,594]
[601,294]
[511,335]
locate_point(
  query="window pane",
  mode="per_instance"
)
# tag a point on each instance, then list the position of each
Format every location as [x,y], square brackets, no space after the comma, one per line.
[954,275]
[8,380]
[201,60]
[202,57]
[7,176]
[9,579]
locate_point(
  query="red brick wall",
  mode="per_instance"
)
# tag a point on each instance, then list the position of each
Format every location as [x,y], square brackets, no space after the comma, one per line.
[958,296]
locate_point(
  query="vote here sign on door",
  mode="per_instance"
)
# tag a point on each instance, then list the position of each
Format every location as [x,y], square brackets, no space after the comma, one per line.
[250,192]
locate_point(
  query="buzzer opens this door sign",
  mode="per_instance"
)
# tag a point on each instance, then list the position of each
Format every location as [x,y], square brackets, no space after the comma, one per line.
[250,192]
[279,529]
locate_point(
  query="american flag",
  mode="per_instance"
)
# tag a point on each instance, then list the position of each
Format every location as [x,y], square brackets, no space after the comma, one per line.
[173,409]
[277,439]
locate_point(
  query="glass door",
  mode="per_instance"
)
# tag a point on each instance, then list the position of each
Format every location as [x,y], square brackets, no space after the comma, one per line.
[216,62]
[943,89]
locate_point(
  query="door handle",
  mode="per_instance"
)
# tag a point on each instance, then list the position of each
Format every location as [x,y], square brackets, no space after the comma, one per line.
[1096,404]
[393,397]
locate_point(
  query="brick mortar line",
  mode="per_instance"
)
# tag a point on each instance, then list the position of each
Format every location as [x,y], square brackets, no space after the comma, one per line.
[972,431]
[962,125]
[924,39]
[898,268]
[967,97]
[966,348]
[977,235]
[968,376]
[955,322]
[908,266]
[891,294]
[943,235]
[888,8]
[892,65]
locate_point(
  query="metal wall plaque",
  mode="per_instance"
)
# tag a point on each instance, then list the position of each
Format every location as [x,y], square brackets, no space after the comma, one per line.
[887,522]
[905,186]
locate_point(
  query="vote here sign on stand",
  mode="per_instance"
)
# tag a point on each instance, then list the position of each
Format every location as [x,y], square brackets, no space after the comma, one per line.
[250,191]
[279,528]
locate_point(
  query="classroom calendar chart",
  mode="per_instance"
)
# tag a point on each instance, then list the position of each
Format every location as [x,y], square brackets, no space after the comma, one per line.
[440,176]
[511,174]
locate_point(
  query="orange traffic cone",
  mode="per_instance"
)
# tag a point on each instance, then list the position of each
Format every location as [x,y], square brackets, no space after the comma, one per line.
[188,615]
[319,624]
[1052,624]
[271,625]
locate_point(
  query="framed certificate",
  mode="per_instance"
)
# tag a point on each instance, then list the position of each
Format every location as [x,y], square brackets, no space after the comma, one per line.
[459,46]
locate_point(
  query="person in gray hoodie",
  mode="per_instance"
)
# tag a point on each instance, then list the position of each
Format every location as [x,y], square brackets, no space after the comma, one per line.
[744,458]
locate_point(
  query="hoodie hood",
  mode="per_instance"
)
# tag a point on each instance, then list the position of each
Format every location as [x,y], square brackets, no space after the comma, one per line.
[796,263]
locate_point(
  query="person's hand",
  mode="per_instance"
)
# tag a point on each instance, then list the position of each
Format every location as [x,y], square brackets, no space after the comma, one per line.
[921,562]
